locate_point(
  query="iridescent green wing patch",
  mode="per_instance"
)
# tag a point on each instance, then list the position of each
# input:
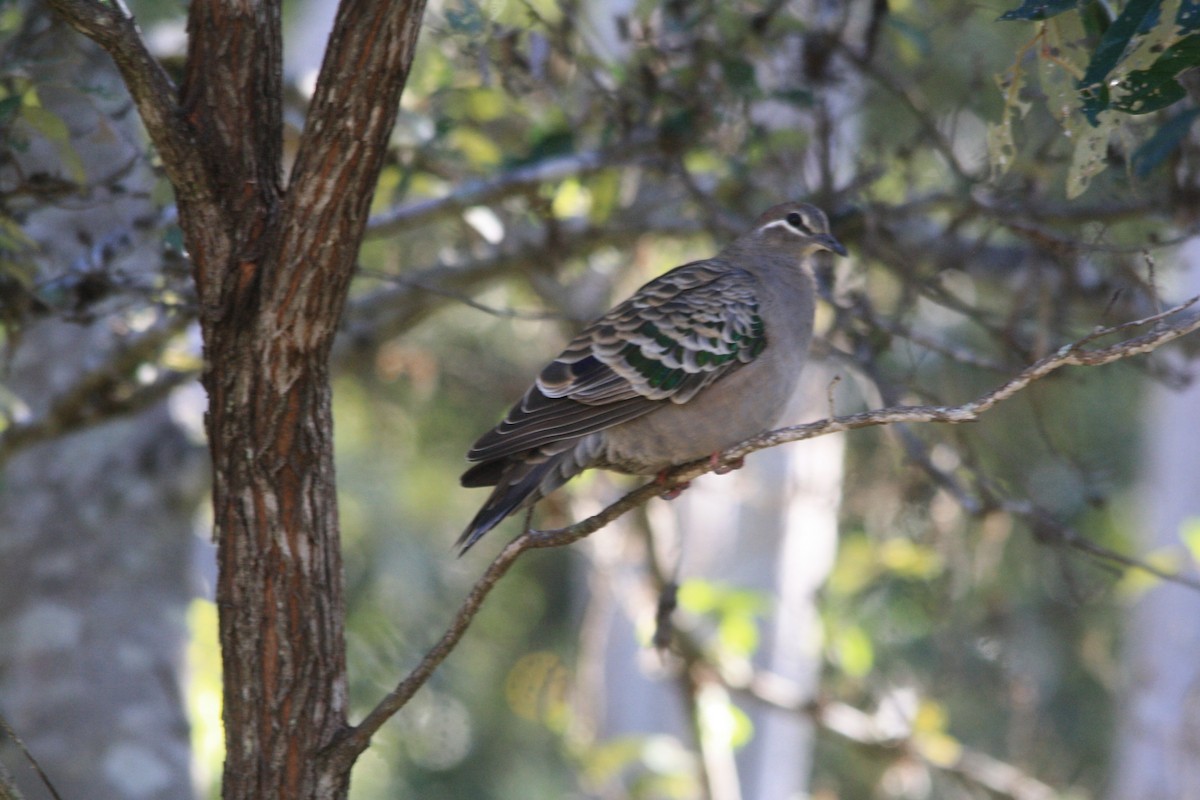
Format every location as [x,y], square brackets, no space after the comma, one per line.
[682,331]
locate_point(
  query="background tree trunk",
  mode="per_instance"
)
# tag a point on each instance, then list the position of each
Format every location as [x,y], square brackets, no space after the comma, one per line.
[1158,737]
[95,527]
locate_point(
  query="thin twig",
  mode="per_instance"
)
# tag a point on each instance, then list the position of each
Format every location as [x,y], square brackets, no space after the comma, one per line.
[33,762]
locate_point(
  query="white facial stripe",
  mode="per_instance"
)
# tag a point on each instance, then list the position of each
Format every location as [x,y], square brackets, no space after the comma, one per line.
[781,223]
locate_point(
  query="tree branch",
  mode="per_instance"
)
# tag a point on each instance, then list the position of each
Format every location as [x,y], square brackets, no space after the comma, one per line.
[519,179]
[103,393]
[861,729]
[8,789]
[111,26]
[355,739]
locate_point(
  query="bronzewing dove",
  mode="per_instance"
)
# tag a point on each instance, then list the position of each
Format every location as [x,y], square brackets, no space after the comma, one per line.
[699,359]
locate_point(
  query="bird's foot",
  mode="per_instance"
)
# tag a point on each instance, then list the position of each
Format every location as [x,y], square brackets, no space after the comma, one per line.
[714,462]
[674,491]
[670,492]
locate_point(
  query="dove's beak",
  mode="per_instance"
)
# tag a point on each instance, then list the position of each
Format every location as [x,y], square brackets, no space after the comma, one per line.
[829,243]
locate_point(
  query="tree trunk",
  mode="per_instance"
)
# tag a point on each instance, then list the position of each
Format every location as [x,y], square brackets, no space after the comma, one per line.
[272,268]
[1158,739]
[270,422]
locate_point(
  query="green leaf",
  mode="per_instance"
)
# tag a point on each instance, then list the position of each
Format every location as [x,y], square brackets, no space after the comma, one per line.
[8,108]
[1145,90]
[801,98]
[1034,10]
[1158,147]
[1001,143]
[1137,17]
[556,142]
[739,75]
[698,597]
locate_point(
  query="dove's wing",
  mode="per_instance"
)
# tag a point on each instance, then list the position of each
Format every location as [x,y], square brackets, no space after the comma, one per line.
[675,336]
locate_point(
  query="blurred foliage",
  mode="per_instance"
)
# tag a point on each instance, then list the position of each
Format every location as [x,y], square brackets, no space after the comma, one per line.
[982,238]
[1094,70]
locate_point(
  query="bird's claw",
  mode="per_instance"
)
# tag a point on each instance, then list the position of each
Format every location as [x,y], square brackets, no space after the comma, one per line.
[722,469]
[674,491]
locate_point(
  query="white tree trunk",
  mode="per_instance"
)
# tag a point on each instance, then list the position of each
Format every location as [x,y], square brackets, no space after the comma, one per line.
[1158,736]
[770,527]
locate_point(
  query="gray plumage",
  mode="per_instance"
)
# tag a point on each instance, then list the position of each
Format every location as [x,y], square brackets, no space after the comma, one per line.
[697,360]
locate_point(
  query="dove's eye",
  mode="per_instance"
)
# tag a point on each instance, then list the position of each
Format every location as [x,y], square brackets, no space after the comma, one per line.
[796,221]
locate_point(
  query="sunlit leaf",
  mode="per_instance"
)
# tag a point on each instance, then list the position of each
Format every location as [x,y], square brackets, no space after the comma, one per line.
[1001,143]
[480,150]
[572,199]
[698,596]
[855,567]
[720,719]
[1090,154]
[908,559]
[1059,75]
[931,717]
[854,652]
[940,749]
[204,692]
[738,634]
[606,195]
[485,104]
[1136,582]
[1189,532]
[536,689]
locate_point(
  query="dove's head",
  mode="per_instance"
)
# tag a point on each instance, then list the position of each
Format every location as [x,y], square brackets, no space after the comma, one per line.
[797,227]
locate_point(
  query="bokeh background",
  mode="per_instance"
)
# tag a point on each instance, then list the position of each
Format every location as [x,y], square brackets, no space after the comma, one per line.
[923,611]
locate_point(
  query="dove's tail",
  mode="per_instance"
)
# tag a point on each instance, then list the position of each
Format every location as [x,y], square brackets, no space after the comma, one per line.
[520,482]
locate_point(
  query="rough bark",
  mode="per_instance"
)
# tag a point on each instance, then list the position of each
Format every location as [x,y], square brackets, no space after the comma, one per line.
[270,423]
[272,268]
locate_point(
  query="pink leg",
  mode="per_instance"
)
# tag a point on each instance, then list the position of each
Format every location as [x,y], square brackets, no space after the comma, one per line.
[674,491]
